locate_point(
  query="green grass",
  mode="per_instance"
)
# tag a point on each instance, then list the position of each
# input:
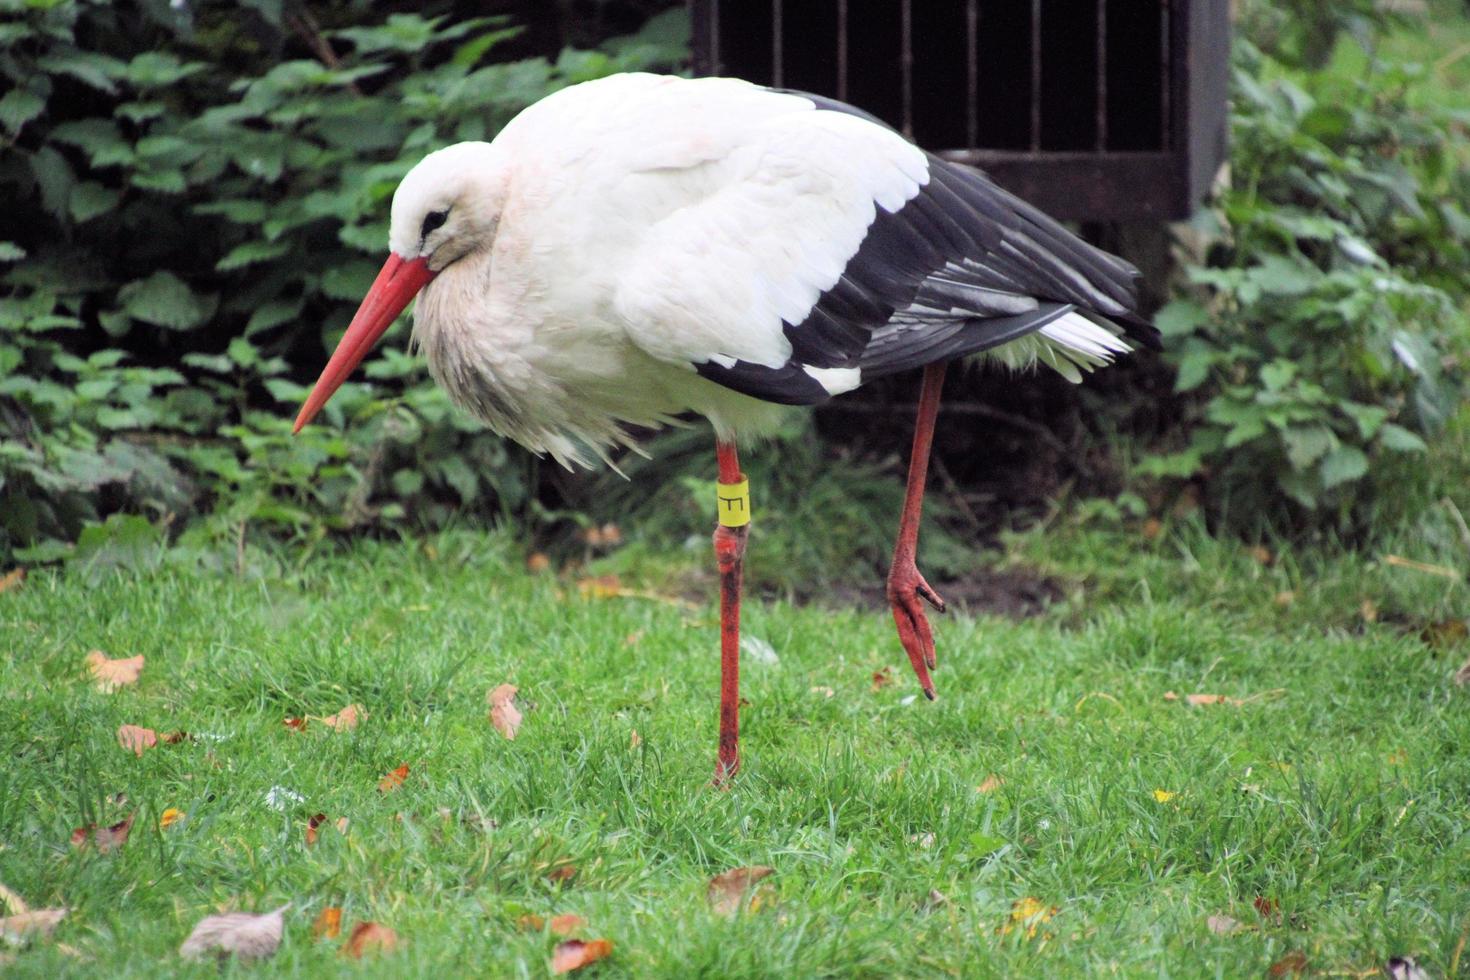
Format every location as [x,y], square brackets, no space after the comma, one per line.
[1342,798]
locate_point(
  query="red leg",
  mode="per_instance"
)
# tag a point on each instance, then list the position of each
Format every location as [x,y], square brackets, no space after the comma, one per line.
[730,535]
[905,585]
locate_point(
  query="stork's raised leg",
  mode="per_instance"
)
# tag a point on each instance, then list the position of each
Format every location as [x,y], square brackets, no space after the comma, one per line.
[905,585]
[733,506]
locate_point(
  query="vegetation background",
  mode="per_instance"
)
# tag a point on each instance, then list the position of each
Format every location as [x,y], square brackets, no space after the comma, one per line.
[1217,727]
[197,196]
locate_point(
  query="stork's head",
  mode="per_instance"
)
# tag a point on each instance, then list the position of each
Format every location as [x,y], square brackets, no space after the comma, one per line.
[447,207]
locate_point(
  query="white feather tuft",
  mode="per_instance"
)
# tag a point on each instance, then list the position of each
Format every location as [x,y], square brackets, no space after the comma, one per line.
[1068,345]
[835,380]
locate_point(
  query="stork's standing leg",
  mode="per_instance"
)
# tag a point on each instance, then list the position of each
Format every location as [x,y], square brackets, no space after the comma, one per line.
[905,585]
[733,506]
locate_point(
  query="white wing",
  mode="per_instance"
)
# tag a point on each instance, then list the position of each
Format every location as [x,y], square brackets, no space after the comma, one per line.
[716,279]
[725,207]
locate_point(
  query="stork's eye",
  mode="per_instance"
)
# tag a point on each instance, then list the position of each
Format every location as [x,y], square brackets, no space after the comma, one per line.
[433,220]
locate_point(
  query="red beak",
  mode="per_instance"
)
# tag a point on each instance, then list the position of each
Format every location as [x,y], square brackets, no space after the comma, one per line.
[397,284]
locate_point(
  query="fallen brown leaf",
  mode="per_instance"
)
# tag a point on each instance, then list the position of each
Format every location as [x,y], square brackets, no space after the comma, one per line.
[174,738]
[113,674]
[1368,610]
[609,587]
[246,935]
[1442,571]
[12,578]
[727,890]
[105,838]
[1029,914]
[370,937]
[1224,925]
[990,784]
[562,873]
[566,925]
[296,724]
[504,714]
[537,562]
[1199,700]
[601,587]
[314,825]
[1293,962]
[328,924]
[882,678]
[1404,968]
[393,780]
[135,739]
[346,719]
[1284,598]
[634,739]
[607,536]
[531,922]
[23,927]
[1203,700]
[1151,529]
[575,954]
[1261,554]
[14,904]
[1445,633]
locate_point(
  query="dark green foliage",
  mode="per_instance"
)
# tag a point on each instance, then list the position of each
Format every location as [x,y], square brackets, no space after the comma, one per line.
[195,200]
[1329,314]
[1303,33]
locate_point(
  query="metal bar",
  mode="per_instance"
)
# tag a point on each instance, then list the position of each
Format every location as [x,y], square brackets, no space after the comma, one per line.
[714,38]
[1035,75]
[907,61]
[777,68]
[699,38]
[972,72]
[1102,76]
[842,50]
[1166,77]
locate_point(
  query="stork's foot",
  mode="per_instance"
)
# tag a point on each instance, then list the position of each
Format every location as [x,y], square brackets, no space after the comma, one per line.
[725,776]
[905,588]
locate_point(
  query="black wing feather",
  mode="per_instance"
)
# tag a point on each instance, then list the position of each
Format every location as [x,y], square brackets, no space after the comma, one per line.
[983,266]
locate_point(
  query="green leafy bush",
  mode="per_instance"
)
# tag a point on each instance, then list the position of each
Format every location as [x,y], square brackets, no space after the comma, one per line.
[1323,338]
[196,198]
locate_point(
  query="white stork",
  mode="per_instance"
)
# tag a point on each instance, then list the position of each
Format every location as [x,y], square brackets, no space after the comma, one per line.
[641,246]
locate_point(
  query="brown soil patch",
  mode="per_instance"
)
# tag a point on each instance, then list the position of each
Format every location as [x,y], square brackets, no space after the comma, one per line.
[1013,593]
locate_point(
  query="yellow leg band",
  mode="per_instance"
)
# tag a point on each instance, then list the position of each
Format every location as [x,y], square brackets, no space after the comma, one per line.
[733,503]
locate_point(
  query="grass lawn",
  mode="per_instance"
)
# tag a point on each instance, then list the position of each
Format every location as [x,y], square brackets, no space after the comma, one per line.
[1335,798]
